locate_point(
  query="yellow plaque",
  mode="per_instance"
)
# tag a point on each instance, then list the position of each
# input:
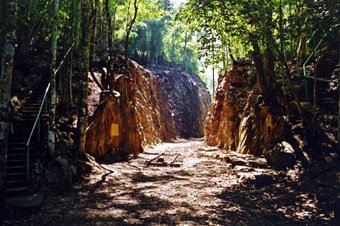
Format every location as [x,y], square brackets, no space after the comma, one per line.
[114,130]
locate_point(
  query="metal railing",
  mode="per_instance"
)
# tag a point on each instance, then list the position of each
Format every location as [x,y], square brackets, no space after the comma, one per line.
[36,124]
[314,88]
[304,66]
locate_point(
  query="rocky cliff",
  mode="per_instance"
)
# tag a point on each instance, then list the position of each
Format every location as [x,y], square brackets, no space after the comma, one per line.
[184,101]
[152,107]
[240,120]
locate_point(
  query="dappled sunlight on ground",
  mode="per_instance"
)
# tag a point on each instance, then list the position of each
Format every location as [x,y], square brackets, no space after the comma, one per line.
[202,191]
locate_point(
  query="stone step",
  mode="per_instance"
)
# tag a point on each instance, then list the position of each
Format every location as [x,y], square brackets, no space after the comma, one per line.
[17,167]
[15,176]
[11,183]
[16,191]
[16,162]
[21,156]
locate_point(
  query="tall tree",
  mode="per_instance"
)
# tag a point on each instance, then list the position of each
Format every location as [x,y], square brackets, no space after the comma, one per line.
[84,67]
[109,25]
[129,25]
[6,82]
[53,96]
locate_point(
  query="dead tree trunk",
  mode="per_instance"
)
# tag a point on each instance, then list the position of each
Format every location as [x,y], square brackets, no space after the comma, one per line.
[5,87]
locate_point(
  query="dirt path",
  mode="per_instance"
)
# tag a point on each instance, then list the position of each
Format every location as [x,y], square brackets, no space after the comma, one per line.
[202,191]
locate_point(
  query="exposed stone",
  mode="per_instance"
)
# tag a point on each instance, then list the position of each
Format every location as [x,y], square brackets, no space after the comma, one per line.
[223,116]
[236,161]
[184,101]
[151,108]
[59,175]
[243,168]
[260,180]
[241,120]
[258,163]
[208,149]
[282,156]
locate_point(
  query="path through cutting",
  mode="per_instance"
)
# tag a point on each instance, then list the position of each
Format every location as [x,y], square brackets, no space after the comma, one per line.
[202,191]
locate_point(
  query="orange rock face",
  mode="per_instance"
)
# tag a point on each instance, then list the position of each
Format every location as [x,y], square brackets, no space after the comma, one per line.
[223,116]
[145,113]
[238,121]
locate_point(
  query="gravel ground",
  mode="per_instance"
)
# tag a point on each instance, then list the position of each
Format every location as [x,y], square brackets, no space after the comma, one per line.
[203,190]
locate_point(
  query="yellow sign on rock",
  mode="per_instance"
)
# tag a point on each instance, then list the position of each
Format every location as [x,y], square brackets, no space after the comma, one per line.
[114,130]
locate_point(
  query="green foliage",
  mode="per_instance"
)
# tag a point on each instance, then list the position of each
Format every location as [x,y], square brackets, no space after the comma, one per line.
[273,23]
[160,38]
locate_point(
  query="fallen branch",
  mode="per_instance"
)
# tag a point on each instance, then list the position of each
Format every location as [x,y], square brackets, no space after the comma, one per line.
[174,159]
[148,162]
[164,164]
[96,80]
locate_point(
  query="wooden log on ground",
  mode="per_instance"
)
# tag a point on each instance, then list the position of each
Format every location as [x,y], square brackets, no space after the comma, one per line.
[163,164]
[149,162]
[174,159]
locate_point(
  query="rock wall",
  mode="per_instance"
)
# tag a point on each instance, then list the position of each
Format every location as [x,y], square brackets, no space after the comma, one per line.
[239,119]
[184,101]
[151,108]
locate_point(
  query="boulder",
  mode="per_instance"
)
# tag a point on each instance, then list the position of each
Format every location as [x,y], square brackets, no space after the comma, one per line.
[282,156]
[262,180]
[59,175]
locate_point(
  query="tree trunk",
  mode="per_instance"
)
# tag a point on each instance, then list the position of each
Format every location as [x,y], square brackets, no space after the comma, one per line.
[186,38]
[302,48]
[269,55]
[282,39]
[5,87]
[213,72]
[53,97]
[128,31]
[2,30]
[113,27]
[84,67]
[109,26]
[339,119]
[93,22]
[66,85]
[260,76]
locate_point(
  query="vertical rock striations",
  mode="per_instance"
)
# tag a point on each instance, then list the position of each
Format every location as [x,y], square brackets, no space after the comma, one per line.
[184,101]
[157,107]
[240,120]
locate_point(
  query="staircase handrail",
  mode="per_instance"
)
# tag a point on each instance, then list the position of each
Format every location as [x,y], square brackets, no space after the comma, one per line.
[304,66]
[310,56]
[33,128]
[39,114]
